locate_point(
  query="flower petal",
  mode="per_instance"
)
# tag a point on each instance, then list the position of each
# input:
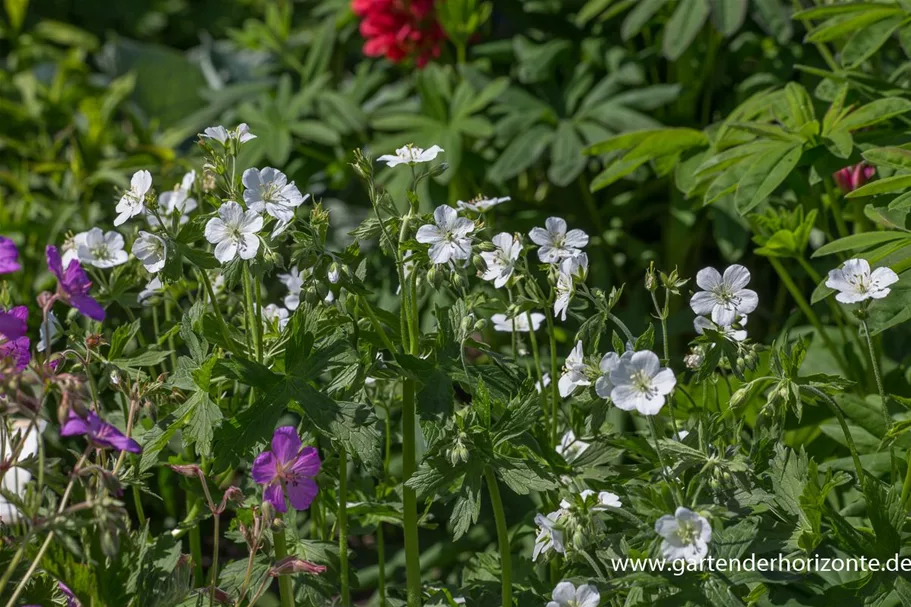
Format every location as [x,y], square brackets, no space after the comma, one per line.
[301,492]
[286,444]
[736,277]
[263,470]
[708,279]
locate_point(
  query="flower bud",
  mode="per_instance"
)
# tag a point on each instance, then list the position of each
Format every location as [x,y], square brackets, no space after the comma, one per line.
[651,281]
[45,298]
[480,325]
[190,470]
[458,281]
[311,295]
[292,564]
[479,263]
[208,181]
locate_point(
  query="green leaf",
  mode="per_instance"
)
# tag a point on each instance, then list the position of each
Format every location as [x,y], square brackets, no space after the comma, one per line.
[864,42]
[468,504]
[856,242]
[767,174]
[523,476]
[121,337]
[839,27]
[15,10]
[898,158]
[892,310]
[729,15]
[567,160]
[353,424]
[874,112]
[639,16]
[524,151]
[204,418]
[684,26]
[895,183]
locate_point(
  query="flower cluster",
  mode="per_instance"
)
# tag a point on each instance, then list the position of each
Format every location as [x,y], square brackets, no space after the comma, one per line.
[400,29]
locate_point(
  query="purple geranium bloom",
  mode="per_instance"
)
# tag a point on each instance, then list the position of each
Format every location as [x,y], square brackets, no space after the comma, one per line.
[12,325]
[73,285]
[15,352]
[71,600]
[287,467]
[9,256]
[101,434]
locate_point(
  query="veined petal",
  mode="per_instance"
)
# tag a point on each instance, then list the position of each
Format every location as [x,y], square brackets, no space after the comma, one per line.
[708,279]
[736,277]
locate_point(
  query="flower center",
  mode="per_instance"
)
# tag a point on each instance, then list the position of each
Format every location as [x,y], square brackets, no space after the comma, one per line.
[643,383]
[687,533]
[726,297]
[101,252]
[862,284]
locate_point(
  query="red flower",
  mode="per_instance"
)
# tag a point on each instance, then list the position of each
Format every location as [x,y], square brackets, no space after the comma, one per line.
[851,178]
[399,29]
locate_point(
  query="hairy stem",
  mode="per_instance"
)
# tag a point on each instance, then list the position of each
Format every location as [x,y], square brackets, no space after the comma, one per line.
[343,524]
[874,362]
[502,535]
[285,587]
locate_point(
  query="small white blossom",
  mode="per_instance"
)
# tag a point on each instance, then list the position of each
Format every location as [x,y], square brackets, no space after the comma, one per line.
[686,535]
[570,447]
[555,242]
[539,387]
[855,282]
[276,315]
[481,204]
[233,232]
[573,372]
[411,155]
[550,535]
[595,501]
[449,237]
[501,262]
[102,249]
[724,298]
[603,385]
[154,287]
[268,190]
[641,383]
[567,595]
[176,202]
[334,273]
[701,323]
[16,478]
[294,280]
[151,250]
[519,324]
[132,202]
[565,289]
[241,134]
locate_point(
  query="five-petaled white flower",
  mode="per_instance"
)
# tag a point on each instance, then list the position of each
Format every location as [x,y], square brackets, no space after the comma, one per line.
[570,447]
[101,249]
[132,202]
[16,477]
[565,289]
[502,261]
[701,323]
[573,372]
[276,315]
[152,288]
[294,280]
[481,204]
[268,190]
[241,134]
[594,501]
[233,232]
[855,282]
[151,250]
[567,595]
[555,242]
[176,202]
[449,237]
[686,535]
[603,385]
[724,298]
[641,383]
[410,155]
[518,323]
[550,534]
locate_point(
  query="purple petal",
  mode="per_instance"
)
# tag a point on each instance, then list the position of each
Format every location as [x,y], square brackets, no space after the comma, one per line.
[301,492]
[54,263]
[307,463]
[75,280]
[275,496]
[74,426]
[263,471]
[9,256]
[286,444]
[88,306]
[109,436]
[11,327]
[18,352]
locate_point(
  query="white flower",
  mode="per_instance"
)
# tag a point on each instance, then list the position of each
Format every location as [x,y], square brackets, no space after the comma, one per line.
[573,372]
[234,232]
[567,595]
[449,237]
[686,536]
[151,250]
[16,478]
[603,385]
[555,242]
[570,447]
[176,202]
[506,324]
[54,328]
[565,289]
[725,298]
[102,249]
[268,190]
[276,315]
[334,273]
[550,536]
[600,501]
[681,435]
[154,287]
[641,383]
[410,155]
[132,202]
[855,283]
[576,266]
[294,280]
[502,261]
[70,248]
[540,385]
[701,323]
[241,134]
[481,204]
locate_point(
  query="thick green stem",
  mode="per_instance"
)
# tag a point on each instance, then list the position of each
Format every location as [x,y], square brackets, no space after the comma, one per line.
[343,524]
[196,545]
[214,573]
[874,362]
[555,403]
[409,498]
[285,587]
[502,536]
[381,564]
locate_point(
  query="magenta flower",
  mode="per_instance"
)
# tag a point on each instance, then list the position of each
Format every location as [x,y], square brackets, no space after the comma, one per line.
[9,256]
[851,178]
[73,285]
[15,352]
[101,434]
[287,468]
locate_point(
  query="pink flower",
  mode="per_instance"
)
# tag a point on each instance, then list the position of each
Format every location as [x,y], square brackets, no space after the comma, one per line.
[851,178]
[289,468]
[399,29]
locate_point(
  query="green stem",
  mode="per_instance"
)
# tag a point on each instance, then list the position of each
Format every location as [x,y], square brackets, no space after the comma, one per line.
[535,353]
[222,325]
[874,362]
[626,332]
[381,563]
[259,322]
[906,487]
[377,325]
[343,524]
[664,467]
[555,402]
[196,548]
[502,535]
[409,498]
[137,500]
[844,428]
[285,587]
[214,572]
[252,328]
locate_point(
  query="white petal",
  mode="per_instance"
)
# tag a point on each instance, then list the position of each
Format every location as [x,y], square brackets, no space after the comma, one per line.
[576,239]
[248,246]
[564,592]
[587,596]
[724,315]
[702,303]
[666,526]
[736,277]
[708,279]
[556,225]
[540,236]
[749,301]
[429,234]
[445,216]
[216,231]
[225,251]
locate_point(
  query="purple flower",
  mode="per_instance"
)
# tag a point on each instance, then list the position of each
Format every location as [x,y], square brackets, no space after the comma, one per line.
[15,352]
[287,468]
[12,325]
[101,434]
[9,256]
[71,600]
[73,285]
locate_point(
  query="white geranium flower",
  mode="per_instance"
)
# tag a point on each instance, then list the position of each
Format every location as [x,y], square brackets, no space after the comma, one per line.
[855,282]
[555,242]
[550,535]
[102,249]
[701,323]
[176,202]
[573,372]
[570,447]
[576,266]
[501,262]
[334,273]
[520,324]
[16,478]
[276,315]
[151,250]
[449,237]
[294,280]
[411,155]
[565,289]
[233,232]
[54,328]
[595,501]
[686,535]
[724,298]
[268,190]
[241,134]
[567,595]
[132,202]
[70,248]
[603,385]
[154,287]
[481,204]
[539,387]
[641,383]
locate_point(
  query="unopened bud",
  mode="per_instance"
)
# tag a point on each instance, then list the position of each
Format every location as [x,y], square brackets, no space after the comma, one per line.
[651,282]
[480,325]
[45,298]
[208,181]
[93,341]
[458,281]
[233,494]
[292,564]
[190,470]
[479,263]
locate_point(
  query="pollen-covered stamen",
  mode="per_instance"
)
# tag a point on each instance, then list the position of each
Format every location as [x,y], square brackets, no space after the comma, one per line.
[643,383]
[687,532]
